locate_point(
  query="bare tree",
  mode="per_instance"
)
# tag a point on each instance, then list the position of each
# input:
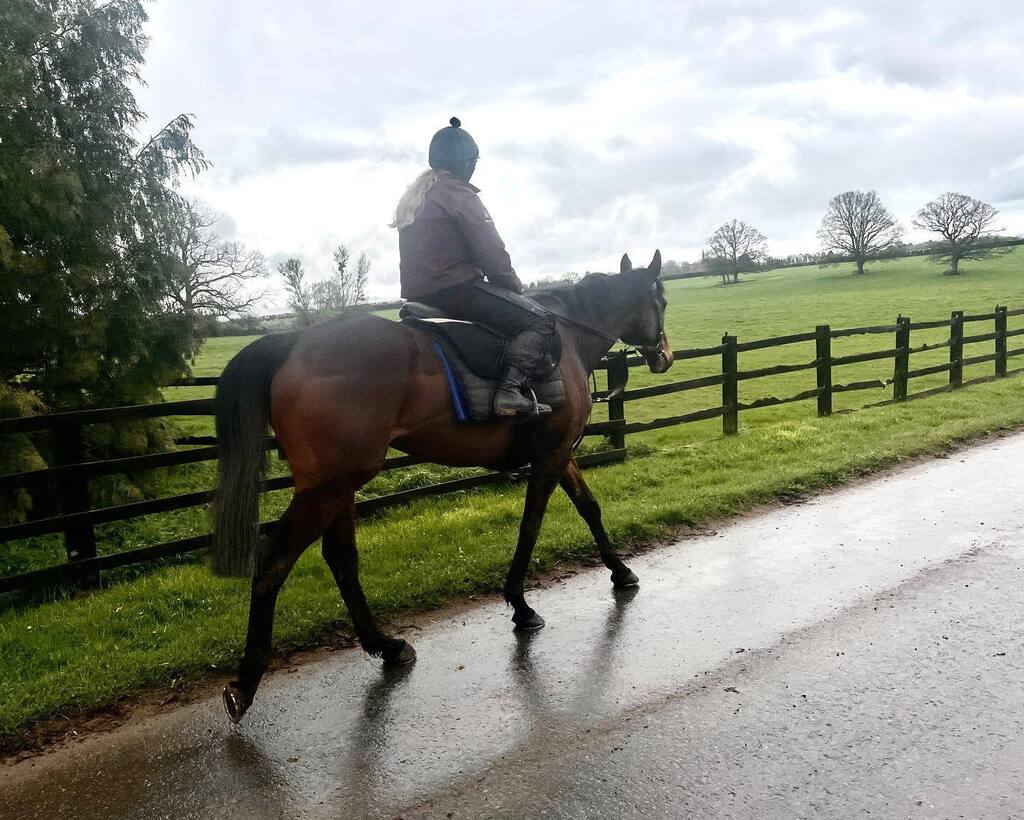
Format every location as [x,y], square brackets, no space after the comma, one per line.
[300,295]
[966,225]
[349,286]
[344,288]
[360,280]
[324,297]
[210,276]
[342,277]
[733,248]
[858,226]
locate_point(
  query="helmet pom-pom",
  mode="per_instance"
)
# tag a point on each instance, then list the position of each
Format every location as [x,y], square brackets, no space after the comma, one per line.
[455,121]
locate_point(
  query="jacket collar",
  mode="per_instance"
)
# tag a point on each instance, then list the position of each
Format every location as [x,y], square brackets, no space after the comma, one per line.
[462,182]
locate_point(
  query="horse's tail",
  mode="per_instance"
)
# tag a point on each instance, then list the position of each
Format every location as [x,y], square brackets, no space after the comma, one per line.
[242,409]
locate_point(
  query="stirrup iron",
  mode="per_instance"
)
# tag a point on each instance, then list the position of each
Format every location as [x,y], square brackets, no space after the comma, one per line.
[537,411]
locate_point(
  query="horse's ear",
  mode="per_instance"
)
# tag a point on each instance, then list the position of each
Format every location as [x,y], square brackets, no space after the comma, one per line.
[625,266]
[654,269]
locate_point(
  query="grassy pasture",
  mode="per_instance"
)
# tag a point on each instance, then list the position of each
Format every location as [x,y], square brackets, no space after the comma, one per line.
[178,623]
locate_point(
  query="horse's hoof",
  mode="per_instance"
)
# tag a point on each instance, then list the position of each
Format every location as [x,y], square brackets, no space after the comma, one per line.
[626,580]
[530,622]
[402,656]
[236,704]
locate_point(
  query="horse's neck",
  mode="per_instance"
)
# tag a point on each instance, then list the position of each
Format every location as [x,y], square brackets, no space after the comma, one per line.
[594,346]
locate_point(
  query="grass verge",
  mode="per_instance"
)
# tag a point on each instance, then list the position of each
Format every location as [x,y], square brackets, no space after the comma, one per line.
[180,623]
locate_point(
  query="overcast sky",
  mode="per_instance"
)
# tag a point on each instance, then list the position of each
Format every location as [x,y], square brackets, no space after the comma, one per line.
[603,127]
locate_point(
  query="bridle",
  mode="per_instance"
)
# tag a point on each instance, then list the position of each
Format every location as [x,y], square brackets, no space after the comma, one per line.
[650,349]
[645,349]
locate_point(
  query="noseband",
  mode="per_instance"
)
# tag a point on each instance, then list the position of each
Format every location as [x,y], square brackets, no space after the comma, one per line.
[654,348]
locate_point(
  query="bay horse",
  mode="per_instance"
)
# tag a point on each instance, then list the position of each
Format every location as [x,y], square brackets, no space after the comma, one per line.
[339,394]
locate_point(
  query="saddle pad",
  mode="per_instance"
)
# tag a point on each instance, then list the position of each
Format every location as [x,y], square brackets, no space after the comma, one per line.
[471,392]
[481,350]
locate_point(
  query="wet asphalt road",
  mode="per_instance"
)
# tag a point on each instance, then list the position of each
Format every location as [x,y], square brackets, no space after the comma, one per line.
[858,654]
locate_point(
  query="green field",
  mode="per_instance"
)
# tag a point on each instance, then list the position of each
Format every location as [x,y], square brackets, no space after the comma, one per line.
[179,623]
[780,302]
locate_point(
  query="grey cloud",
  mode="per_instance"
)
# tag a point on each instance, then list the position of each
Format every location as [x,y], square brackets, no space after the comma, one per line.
[586,182]
[262,152]
[1008,191]
[226,226]
[939,45]
[275,259]
[763,68]
[597,218]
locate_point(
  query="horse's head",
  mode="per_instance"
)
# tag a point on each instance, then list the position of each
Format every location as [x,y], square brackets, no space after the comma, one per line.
[646,328]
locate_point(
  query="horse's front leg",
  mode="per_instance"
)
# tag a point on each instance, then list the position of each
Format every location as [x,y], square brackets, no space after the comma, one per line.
[590,511]
[541,484]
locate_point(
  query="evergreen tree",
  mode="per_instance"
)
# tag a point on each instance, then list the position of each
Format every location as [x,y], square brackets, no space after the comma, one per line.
[83,204]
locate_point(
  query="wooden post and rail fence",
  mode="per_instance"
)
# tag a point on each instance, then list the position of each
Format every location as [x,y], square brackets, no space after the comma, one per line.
[78,519]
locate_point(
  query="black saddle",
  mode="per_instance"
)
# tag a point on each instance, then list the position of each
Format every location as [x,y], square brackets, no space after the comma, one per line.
[481,349]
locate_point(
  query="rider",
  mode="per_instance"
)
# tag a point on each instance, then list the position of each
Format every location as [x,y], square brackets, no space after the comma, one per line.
[452,258]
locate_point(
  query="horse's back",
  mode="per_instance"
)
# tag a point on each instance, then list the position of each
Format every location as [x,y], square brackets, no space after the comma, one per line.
[350,341]
[338,396]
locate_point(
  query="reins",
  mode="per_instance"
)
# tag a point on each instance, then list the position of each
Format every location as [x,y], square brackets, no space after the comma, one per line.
[582,325]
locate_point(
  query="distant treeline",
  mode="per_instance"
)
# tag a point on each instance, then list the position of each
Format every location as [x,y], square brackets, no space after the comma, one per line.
[690,270]
[277,322]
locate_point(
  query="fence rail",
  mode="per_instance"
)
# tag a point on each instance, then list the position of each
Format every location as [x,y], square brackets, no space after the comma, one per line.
[77,518]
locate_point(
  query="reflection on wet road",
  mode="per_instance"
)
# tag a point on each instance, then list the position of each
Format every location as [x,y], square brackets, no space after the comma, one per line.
[796,662]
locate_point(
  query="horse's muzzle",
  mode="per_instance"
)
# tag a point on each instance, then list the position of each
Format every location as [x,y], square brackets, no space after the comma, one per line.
[658,357]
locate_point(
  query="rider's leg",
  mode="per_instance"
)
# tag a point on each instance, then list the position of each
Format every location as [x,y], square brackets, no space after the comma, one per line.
[529,327]
[522,356]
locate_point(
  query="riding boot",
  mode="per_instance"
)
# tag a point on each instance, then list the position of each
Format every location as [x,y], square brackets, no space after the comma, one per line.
[509,399]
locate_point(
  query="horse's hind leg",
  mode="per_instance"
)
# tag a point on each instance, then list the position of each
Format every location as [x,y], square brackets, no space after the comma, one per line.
[590,511]
[339,551]
[301,524]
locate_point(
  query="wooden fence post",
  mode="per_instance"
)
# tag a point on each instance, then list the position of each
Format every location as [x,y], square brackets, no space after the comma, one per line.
[902,360]
[730,387]
[823,357]
[618,377]
[1000,340]
[79,541]
[956,348]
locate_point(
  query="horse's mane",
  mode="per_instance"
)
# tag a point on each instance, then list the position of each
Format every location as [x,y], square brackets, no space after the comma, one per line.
[593,295]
